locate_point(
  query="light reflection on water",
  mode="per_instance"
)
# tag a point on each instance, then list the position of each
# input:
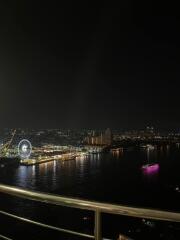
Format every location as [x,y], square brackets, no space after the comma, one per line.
[56,173]
[150,173]
[116,175]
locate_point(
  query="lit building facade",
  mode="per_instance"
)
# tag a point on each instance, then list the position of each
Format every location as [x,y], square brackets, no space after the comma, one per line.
[102,139]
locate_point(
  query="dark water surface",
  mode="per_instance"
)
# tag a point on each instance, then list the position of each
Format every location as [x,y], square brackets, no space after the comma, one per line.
[109,177]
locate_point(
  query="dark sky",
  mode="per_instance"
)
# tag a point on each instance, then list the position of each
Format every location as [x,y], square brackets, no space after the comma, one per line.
[89,64]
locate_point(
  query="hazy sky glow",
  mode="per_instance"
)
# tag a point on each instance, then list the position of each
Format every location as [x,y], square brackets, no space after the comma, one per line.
[89,65]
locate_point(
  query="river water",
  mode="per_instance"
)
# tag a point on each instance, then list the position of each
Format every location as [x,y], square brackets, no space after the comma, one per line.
[115,177]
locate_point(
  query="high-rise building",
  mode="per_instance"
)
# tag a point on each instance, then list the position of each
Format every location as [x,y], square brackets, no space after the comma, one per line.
[108,137]
[102,139]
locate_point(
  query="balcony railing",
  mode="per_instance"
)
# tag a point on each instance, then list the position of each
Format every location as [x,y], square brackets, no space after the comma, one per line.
[97,207]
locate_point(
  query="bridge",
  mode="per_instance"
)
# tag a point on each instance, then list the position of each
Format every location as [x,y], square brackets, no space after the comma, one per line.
[97,207]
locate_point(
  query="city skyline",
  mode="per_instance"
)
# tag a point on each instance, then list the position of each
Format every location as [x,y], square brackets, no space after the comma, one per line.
[89,120]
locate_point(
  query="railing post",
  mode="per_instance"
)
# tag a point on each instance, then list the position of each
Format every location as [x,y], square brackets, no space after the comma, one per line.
[97,229]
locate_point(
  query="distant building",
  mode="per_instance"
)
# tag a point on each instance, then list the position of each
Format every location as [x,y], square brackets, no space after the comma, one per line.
[102,139]
[149,132]
[108,137]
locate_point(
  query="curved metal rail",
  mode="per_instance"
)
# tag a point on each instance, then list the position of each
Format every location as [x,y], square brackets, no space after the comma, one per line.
[3,237]
[97,207]
[46,225]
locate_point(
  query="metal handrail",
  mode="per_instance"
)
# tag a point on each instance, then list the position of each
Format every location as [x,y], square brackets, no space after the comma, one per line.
[4,237]
[97,207]
[46,225]
[91,205]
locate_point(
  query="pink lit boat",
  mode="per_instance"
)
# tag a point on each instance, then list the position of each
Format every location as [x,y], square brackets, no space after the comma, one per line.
[151,167]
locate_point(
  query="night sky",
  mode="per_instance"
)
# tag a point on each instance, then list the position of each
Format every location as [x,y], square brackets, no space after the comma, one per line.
[89,64]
